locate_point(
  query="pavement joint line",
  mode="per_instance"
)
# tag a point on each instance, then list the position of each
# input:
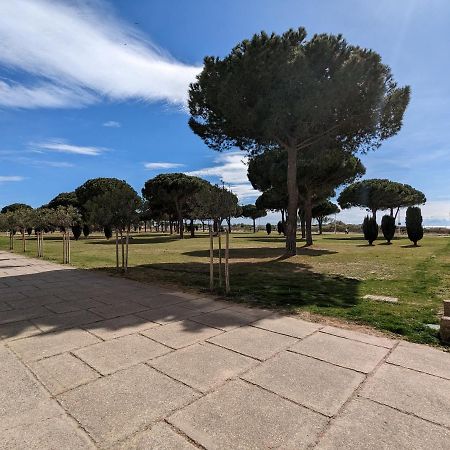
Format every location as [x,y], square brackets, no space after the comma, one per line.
[355,394]
[87,364]
[184,435]
[355,340]
[238,353]
[417,370]
[284,334]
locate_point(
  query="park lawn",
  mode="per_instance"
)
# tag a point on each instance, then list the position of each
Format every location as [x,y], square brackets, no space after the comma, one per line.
[328,279]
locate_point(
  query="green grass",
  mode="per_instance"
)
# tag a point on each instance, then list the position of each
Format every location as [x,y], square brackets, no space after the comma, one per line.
[328,279]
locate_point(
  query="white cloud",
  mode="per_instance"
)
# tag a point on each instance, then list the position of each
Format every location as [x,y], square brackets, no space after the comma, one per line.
[231,168]
[7,178]
[78,53]
[162,165]
[112,124]
[62,147]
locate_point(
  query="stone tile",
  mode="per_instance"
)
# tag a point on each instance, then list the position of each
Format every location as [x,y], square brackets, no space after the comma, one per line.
[114,407]
[224,319]
[318,385]
[70,306]
[206,305]
[365,425]
[361,337]
[424,395]
[33,301]
[109,356]
[23,400]
[202,366]
[62,372]
[181,334]
[287,325]
[257,313]
[168,314]
[160,437]
[119,326]
[4,306]
[159,300]
[242,416]
[45,345]
[342,352]
[17,330]
[17,315]
[50,434]
[260,344]
[66,320]
[121,309]
[421,358]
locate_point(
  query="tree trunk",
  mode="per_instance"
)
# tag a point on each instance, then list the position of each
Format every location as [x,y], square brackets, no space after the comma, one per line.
[303,226]
[23,241]
[123,250]
[374,214]
[396,213]
[292,189]
[171,227]
[126,249]
[229,224]
[254,226]
[308,220]
[283,221]
[191,224]
[181,227]
[117,249]
[320,222]
[392,212]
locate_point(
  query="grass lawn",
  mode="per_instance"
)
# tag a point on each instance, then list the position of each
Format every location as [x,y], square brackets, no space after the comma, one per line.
[328,279]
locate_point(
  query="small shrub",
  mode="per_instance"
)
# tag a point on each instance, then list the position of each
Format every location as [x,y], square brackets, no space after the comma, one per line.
[86,230]
[370,229]
[76,231]
[108,231]
[29,231]
[388,227]
[268,228]
[414,226]
[280,227]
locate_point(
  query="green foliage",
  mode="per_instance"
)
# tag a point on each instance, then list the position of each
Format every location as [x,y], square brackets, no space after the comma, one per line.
[76,231]
[86,230]
[414,226]
[107,230]
[64,199]
[268,228]
[324,209]
[66,217]
[14,207]
[280,227]
[370,229]
[252,212]
[388,227]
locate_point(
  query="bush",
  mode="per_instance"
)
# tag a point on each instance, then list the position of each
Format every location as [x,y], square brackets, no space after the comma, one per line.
[370,229]
[280,227]
[86,230]
[414,226]
[76,231]
[108,231]
[388,227]
[268,228]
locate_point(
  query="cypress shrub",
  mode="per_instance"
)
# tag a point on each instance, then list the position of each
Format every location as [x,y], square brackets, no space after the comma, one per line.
[280,227]
[29,231]
[370,229]
[86,230]
[268,228]
[76,231]
[414,226]
[388,227]
[108,231]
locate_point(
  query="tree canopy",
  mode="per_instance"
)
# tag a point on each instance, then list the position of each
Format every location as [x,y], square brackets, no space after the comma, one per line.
[285,91]
[14,207]
[253,212]
[64,199]
[322,210]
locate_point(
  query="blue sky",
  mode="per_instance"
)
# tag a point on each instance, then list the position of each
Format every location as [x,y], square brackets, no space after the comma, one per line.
[97,88]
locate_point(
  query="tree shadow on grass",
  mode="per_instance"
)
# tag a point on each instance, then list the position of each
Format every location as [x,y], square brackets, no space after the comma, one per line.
[138,240]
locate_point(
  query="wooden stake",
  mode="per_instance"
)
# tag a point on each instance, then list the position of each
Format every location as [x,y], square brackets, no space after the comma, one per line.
[64,248]
[211,261]
[227,269]
[126,250]
[220,258]
[117,249]
[68,248]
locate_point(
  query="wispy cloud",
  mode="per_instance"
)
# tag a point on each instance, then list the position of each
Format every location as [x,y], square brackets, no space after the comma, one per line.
[56,42]
[112,124]
[231,168]
[162,165]
[62,147]
[8,178]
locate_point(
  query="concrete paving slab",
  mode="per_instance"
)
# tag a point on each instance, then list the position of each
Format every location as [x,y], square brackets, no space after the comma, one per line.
[4,306]
[168,314]
[181,334]
[287,325]
[45,345]
[161,436]
[65,320]
[421,394]
[242,416]
[109,356]
[203,366]
[342,352]
[70,306]
[159,300]
[17,315]
[17,330]
[62,372]
[125,402]
[421,358]
[365,425]
[50,434]
[205,305]
[257,313]
[120,309]
[361,337]
[259,344]
[224,319]
[119,326]
[315,384]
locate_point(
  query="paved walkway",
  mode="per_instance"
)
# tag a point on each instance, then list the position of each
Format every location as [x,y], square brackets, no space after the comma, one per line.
[91,361]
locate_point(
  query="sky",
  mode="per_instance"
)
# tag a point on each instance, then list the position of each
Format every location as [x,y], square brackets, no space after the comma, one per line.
[96,88]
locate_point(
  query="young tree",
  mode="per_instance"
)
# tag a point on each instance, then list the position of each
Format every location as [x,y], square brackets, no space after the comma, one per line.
[23,218]
[370,229]
[388,227]
[252,212]
[414,226]
[175,189]
[268,228]
[86,230]
[9,224]
[43,219]
[284,91]
[321,211]
[66,217]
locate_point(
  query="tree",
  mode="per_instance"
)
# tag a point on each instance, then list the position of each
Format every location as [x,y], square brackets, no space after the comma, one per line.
[43,220]
[77,230]
[66,217]
[414,226]
[175,189]
[370,229]
[280,227]
[380,194]
[14,207]
[252,212]
[322,210]
[23,218]
[64,199]
[284,91]
[388,227]
[86,230]
[268,228]
[118,208]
